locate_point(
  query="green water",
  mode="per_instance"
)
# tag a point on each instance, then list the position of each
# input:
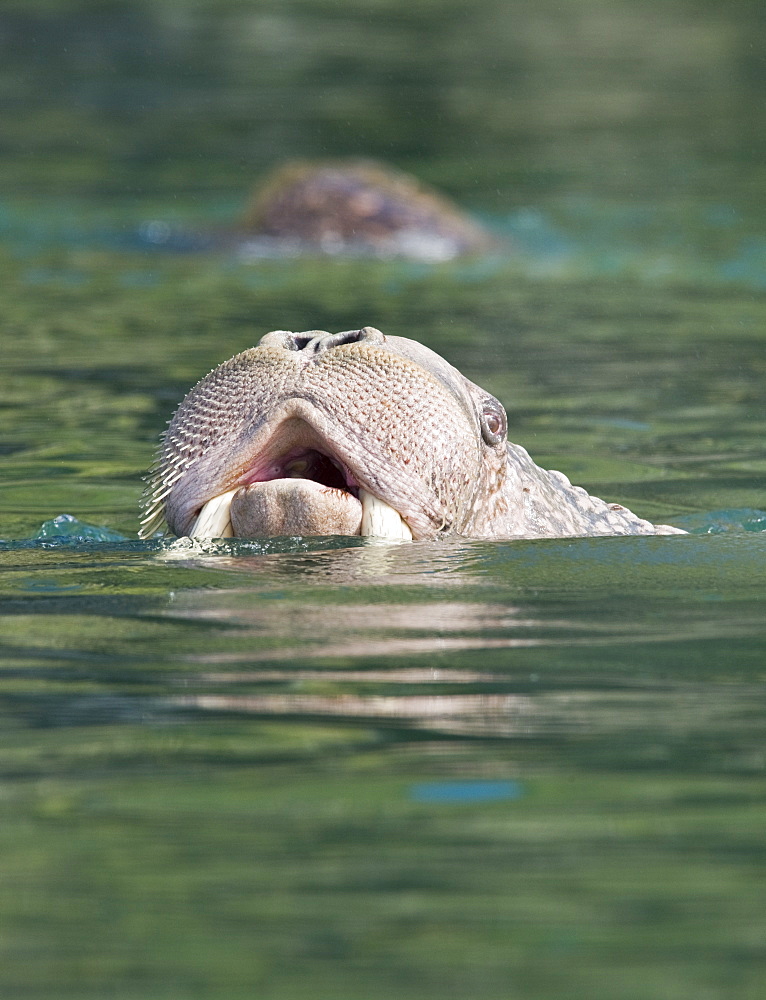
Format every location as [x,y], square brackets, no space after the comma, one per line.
[319,768]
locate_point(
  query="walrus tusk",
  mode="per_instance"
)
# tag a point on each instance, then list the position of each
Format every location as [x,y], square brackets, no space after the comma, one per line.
[381,520]
[214,520]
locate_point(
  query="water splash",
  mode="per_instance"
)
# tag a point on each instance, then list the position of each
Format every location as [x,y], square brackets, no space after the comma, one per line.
[67,527]
[65,531]
[721,522]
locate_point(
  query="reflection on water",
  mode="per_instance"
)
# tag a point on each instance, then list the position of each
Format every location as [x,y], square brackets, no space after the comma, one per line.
[306,772]
[333,769]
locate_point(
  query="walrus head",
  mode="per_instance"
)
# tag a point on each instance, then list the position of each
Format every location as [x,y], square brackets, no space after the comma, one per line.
[314,433]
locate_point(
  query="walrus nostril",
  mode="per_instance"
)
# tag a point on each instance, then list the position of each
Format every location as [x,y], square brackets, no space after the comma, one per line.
[317,341]
[326,341]
[307,341]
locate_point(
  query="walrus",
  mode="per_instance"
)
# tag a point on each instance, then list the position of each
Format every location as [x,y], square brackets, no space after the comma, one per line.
[356,208]
[359,207]
[357,433]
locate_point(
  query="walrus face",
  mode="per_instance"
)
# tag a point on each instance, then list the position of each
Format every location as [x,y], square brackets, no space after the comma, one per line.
[317,433]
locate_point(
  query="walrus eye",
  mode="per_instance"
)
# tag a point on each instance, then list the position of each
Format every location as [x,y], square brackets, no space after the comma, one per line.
[494,423]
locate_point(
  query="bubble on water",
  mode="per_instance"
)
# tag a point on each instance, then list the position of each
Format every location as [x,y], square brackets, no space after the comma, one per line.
[466,791]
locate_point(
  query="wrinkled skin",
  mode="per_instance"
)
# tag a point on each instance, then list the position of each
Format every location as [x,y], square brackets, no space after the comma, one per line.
[351,433]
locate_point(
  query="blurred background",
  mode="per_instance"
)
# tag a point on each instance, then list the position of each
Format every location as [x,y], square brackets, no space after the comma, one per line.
[500,103]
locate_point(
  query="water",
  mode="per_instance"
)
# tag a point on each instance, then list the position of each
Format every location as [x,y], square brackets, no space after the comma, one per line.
[311,767]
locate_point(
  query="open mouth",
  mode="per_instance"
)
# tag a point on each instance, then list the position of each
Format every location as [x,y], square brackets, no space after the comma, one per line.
[298,491]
